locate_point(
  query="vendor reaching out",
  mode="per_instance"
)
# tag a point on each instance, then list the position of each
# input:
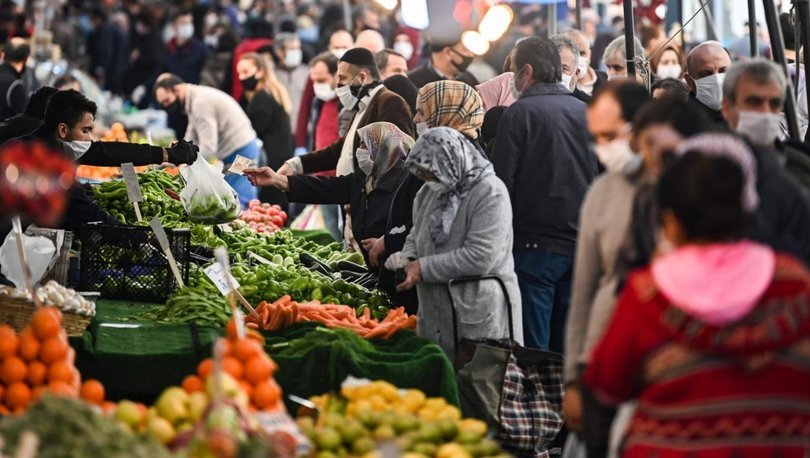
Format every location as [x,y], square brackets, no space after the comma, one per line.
[216,123]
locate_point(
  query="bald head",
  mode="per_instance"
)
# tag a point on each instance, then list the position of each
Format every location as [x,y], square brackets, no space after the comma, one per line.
[341,40]
[582,43]
[706,59]
[371,40]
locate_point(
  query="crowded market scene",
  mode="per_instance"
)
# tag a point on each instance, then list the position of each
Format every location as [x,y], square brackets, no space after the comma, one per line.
[404,228]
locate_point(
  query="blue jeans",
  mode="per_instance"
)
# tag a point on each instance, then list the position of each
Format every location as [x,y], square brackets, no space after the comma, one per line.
[545,289]
[240,183]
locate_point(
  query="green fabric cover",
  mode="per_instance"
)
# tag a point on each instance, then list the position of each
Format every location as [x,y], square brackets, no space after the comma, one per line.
[137,360]
[319,236]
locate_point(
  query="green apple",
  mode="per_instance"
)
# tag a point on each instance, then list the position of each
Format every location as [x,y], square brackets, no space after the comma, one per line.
[129,413]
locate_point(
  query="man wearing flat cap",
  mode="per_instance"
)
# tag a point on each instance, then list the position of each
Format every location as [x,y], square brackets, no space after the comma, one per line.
[360,90]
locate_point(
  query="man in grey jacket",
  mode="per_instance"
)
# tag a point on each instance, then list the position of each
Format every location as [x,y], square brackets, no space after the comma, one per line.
[542,154]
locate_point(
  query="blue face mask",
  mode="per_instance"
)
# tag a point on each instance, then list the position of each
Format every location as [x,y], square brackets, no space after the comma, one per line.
[309,34]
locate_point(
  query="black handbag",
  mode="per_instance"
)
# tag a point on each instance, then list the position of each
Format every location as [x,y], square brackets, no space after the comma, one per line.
[516,391]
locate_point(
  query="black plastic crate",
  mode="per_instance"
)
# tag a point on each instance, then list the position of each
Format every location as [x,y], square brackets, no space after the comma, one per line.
[126,262]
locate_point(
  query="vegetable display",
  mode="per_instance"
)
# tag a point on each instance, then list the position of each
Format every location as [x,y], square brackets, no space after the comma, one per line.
[207,209]
[66,299]
[285,312]
[377,412]
[68,428]
[112,197]
[263,217]
[202,303]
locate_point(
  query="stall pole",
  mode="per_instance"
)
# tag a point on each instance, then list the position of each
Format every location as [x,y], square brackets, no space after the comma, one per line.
[347,15]
[778,51]
[629,28]
[578,13]
[803,10]
[752,28]
[552,19]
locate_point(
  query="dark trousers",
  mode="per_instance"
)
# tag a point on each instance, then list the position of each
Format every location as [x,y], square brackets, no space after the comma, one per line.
[597,419]
[545,290]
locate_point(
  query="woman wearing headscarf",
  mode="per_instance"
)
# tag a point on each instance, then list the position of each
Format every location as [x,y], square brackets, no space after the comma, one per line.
[712,337]
[462,228]
[381,192]
[450,104]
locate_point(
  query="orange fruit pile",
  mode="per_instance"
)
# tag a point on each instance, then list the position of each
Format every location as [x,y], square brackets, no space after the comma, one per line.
[39,360]
[246,361]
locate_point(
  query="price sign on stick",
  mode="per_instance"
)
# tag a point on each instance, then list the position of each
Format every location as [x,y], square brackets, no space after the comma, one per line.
[164,245]
[133,187]
[221,255]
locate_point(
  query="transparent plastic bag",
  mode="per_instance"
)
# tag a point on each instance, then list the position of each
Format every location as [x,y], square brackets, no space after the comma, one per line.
[207,197]
[39,252]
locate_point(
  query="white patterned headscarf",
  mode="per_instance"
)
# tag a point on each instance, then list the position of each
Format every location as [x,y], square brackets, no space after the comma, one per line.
[455,162]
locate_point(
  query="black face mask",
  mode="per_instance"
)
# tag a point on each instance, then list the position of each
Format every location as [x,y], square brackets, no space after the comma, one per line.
[174,108]
[250,83]
[465,61]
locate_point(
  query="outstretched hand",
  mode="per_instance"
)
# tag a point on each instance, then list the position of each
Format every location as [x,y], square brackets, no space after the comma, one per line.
[265,176]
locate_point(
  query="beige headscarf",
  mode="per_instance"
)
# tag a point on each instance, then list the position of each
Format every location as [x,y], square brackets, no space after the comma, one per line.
[452,104]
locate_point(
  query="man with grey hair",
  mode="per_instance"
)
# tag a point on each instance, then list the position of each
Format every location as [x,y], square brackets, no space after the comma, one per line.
[706,67]
[589,80]
[570,58]
[290,70]
[753,97]
[615,57]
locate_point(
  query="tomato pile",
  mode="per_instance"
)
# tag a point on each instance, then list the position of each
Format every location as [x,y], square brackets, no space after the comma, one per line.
[264,218]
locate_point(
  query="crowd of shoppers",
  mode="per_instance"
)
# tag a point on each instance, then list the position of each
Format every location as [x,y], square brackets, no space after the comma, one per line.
[653,231]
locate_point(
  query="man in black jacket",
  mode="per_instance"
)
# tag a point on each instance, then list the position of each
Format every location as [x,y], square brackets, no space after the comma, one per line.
[706,67]
[542,154]
[447,62]
[13,93]
[30,120]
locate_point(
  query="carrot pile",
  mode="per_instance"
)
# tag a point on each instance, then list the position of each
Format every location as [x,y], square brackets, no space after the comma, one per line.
[284,312]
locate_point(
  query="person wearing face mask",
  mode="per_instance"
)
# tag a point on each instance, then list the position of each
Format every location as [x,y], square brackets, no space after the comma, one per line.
[12,88]
[541,154]
[258,36]
[703,330]
[706,67]
[391,63]
[380,191]
[405,47]
[569,59]
[266,104]
[339,42]
[667,63]
[185,54]
[146,60]
[447,62]
[462,228]
[615,58]
[588,80]
[371,40]
[217,125]
[450,104]
[291,71]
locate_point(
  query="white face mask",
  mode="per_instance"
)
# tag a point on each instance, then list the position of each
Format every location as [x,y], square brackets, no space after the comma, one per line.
[436,186]
[709,90]
[338,52]
[324,91]
[669,71]
[185,32]
[364,160]
[405,48]
[761,128]
[211,20]
[293,58]
[211,40]
[616,155]
[566,80]
[76,149]
[421,128]
[513,87]
[583,67]
[347,99]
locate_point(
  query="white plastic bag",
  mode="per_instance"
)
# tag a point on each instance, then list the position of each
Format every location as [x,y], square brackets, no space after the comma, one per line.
[207,197]
[39,252]
[309,220]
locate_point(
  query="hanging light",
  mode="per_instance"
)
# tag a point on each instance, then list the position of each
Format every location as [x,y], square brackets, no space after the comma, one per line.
[496,22]
[475,42]
[387,4]
[415,14]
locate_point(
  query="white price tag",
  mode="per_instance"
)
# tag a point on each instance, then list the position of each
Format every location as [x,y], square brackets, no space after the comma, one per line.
[131,181]
[216,273]
[163,240]
[239,165]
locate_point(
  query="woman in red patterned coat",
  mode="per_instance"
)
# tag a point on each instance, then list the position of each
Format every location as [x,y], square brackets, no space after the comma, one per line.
[713,338]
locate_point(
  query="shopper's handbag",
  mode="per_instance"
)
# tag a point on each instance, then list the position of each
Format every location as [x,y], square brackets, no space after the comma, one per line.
[517,391]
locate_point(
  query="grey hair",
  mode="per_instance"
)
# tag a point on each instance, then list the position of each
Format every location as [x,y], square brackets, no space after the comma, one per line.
[563,41]
[282,38]
[617,48]
[761,71]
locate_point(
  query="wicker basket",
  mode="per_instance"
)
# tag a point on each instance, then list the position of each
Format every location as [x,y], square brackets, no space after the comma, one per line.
[17,313]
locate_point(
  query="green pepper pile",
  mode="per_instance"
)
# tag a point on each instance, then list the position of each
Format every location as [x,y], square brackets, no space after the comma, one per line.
[112,197]
[213,209]
[202,303]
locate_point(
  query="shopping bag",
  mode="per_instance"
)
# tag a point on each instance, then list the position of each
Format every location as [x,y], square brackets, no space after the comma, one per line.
[309,220]
[39,253]
[517,391]
[207,197]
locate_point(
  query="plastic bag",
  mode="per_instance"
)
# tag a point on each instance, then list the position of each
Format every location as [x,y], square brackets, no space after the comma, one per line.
[207,197]
[309,220]
[39,252]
